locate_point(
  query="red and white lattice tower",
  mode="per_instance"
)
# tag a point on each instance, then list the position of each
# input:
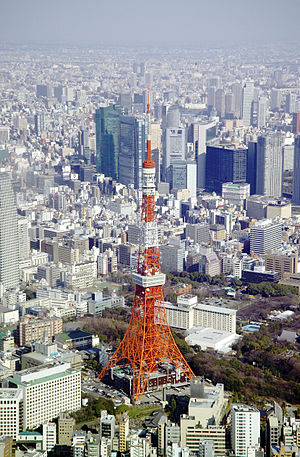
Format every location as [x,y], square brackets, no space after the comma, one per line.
[148,341]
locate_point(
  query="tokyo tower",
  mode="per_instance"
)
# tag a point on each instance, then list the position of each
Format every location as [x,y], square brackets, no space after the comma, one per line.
[148,341]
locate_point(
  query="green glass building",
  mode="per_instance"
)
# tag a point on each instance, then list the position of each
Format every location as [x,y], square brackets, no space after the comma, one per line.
[107,140]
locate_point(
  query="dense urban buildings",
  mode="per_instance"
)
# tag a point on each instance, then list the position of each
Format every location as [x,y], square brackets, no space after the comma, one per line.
[224,178]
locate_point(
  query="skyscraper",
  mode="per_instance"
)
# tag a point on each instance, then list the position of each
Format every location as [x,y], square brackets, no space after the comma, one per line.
[251,166]
[204,134]
[262,111]
[296,181]
[247,101]
[175,145]
[9,247]
[107,140]
[291,103]
[131,150]
[269,165]
[224,165]
[275,99]
[220,102]
[183,175]
[237,94]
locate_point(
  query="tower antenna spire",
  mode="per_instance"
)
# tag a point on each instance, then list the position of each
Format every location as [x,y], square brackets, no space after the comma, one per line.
[148,342]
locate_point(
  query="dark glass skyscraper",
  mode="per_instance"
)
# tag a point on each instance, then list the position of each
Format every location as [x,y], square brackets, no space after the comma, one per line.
[131,150]
[251,166]
[107,140]
[224,165]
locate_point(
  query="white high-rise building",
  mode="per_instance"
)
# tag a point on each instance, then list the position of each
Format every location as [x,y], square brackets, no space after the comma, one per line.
[264,236]
[245,428]
[47,391]
[191,178]
[247,102]
[49,436]
[175,145]
[9,241]
[10,412]
[269,165]
[24,243]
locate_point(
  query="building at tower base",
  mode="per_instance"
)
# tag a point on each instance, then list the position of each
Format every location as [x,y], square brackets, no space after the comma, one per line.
[166,376]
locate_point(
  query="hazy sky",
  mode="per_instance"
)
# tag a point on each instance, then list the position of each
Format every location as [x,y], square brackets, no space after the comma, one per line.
[153,22]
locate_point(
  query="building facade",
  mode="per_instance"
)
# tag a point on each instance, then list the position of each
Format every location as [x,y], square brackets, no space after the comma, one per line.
[269,165]
[9,240]
[225,165]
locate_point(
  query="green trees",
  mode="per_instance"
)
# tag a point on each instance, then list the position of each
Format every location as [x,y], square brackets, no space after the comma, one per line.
[93,409]
[264,369]
[267,289]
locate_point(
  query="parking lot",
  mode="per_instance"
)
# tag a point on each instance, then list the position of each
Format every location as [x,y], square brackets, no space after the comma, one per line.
[92,386]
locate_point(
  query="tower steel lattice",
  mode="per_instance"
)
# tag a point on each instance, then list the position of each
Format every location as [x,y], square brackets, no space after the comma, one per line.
[148,341]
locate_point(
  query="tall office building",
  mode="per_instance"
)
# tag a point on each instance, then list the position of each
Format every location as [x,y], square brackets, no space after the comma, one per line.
[175,145]
[131,150]
[107,140]
[9,241]
[275,103]
[237,94]
[247,102]
[229,105]
[39,123]
[269,165]
[245,428]
[291,103]
[204,134]
[296,123]
[265,236]
[170,116]
[262,108]
[183,175]
[296,180]
[225,165]
[251,166]
[220,102]
[24,242]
